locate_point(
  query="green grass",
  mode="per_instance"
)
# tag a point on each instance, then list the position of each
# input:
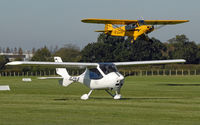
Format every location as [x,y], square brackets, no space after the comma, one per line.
[159,100]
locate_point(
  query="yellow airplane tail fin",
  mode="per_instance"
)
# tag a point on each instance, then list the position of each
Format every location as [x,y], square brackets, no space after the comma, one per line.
[108,27]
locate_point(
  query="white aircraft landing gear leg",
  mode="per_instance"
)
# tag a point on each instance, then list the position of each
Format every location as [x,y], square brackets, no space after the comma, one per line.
[117,96]
[86,96]
[109,93]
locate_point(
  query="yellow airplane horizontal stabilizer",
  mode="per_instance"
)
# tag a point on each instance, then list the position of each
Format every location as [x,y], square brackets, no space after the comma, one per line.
[99,30]
[126,22]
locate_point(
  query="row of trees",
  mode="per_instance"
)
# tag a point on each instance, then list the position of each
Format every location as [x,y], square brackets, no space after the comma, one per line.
[20,51]
[11,50]
[108,49]
[116,49]
[68,53]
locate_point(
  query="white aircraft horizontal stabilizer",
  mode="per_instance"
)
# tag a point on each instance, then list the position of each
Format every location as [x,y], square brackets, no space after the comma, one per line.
[50,77]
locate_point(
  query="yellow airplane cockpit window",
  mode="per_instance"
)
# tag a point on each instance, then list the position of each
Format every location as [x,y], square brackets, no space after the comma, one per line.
[130,27]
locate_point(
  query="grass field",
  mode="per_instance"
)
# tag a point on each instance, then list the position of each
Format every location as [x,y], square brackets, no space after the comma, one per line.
[159,100]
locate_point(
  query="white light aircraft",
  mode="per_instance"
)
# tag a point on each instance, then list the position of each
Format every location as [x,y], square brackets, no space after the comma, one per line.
[97,76]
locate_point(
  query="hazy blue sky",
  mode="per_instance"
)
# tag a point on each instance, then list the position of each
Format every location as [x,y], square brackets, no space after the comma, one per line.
[35,23]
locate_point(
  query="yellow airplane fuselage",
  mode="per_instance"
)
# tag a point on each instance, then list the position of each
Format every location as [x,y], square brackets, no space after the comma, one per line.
[121,31]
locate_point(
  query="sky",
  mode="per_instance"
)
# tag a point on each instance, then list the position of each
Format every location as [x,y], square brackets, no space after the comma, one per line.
[38,23]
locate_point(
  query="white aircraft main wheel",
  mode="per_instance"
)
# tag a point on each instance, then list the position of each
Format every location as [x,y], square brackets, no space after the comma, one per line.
[84,97]
[117,96]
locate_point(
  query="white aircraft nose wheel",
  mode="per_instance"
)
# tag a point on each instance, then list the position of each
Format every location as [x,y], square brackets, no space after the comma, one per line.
[118,96]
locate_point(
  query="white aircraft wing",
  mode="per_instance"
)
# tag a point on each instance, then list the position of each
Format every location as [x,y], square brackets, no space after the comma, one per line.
[77,64]
[56,64]
[149,62]
[50,78]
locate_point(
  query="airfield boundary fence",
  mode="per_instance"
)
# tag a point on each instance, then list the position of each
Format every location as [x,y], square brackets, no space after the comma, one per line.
[160,72]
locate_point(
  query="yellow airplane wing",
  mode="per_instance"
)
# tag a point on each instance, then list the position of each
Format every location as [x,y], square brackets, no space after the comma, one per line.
[164,22]
[109,21]
[126,22]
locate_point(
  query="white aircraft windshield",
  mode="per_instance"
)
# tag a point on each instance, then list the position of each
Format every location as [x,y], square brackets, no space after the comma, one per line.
[108,68]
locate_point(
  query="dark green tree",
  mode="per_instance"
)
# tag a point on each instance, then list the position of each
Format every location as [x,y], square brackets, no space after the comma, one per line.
[103,50]
[7,50]
[3,61]
[69,53]
[182,48]
[20,51]
[42,54]
[111,48]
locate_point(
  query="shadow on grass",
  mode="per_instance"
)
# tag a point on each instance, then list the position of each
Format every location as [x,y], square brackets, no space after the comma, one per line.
[66,99]
[109,98]
[149,98]
[180,84]
[91,98]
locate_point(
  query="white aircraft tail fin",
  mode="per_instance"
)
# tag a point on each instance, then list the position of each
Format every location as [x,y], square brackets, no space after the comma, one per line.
[62,72]
[65,82]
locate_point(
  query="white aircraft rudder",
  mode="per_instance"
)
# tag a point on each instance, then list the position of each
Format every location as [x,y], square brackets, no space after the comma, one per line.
[62,72]
[65,82]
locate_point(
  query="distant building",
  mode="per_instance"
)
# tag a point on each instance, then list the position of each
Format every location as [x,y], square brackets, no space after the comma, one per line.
[26,56]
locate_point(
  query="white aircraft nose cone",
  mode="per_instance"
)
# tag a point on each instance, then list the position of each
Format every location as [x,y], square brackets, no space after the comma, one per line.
[120,79]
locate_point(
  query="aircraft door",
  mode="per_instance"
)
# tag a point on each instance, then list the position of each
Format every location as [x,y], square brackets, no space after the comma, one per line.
[95,74]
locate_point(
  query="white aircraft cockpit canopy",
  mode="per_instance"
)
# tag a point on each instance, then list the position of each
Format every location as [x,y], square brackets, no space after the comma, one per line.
[108,68]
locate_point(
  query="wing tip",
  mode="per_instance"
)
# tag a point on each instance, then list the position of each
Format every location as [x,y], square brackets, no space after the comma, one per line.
[182,60]
[14,63]
[85,20]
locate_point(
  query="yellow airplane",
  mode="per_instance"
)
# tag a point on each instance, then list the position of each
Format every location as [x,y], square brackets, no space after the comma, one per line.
[132,28]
